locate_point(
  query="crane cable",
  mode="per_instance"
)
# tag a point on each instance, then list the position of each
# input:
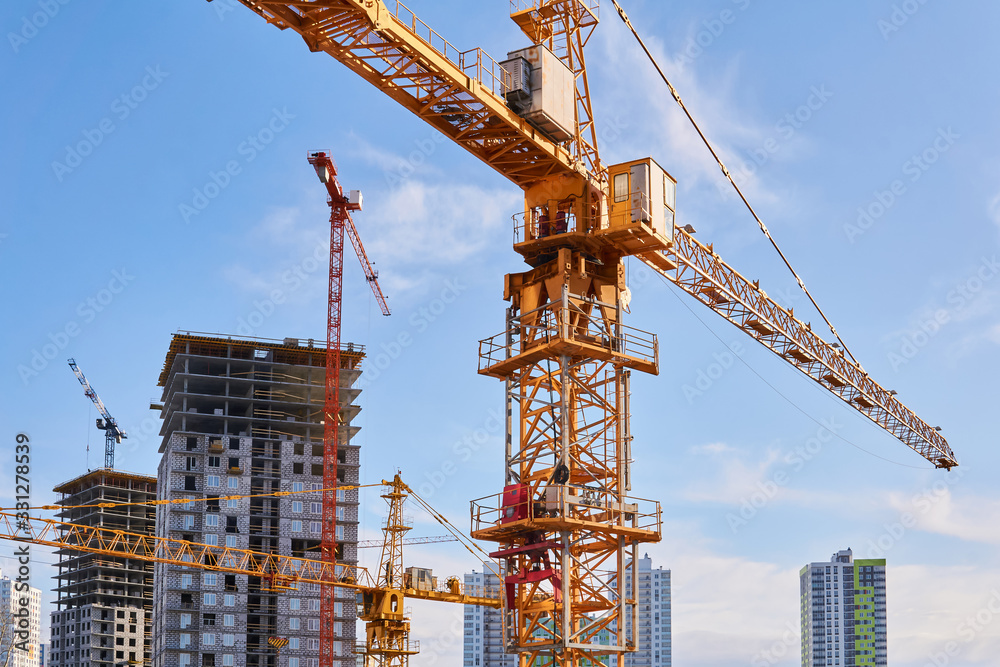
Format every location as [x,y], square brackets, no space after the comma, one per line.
[760,223]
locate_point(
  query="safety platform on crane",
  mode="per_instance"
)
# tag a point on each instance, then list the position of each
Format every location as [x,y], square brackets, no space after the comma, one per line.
[556,329]
[563,507]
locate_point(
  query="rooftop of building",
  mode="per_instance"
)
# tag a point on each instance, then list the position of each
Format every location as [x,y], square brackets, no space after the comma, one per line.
[292,351]
[102,476]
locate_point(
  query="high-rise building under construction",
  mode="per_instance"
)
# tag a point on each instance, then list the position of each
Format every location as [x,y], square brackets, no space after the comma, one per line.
[102,615]
[244,417]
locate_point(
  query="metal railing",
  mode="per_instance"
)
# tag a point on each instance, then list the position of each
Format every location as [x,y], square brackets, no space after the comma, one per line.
[555,321]
[569,502]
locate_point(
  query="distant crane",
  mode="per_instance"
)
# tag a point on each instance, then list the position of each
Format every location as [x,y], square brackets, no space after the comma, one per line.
[112,433]
[341,205]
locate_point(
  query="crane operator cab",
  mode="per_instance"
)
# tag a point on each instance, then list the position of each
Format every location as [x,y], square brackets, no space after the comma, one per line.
[641,206]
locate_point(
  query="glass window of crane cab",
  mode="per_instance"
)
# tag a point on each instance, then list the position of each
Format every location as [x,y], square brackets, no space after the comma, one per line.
[621,187]
[669,193]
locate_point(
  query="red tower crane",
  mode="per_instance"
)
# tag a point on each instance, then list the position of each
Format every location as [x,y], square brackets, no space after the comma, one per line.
[340,221]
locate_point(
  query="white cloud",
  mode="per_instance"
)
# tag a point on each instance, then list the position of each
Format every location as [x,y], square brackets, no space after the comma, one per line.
[425,224]
[736,478]
[938,510]
[995,210]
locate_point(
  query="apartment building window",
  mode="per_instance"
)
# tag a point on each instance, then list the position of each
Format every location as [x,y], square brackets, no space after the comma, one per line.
[212,502]
[227,660]
[234,443]
[293,623]
[192,444]
[211,520]
[229,600]
[294,604]
[185,658]
[233,504]
[185,639]
[188,521]
[213,462]
[314,605]
[212,539]
[208,619]
[210,578]
[189,483]
[293,662]
[229,640]
[211,481]
[208,598]
[192,463]
[317,508]
[293,643]
[185,620]
[340,532]
[313,644]
[186,580]
[297,468]
[297,487]
[296,526]
[341,496]
[341,513]
[313,623]
[232,541]
[208,639]
[297,506]
[233,483]
[229,620]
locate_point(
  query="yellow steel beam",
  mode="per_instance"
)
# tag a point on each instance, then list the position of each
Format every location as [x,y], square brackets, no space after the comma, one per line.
[283,570]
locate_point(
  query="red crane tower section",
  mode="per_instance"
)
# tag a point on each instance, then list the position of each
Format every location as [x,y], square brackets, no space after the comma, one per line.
[340,222]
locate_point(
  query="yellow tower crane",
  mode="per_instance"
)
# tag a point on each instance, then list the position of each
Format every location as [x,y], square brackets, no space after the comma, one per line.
[564,523]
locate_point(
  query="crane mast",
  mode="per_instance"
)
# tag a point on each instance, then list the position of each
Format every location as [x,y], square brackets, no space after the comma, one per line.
[564,523]
[112,432]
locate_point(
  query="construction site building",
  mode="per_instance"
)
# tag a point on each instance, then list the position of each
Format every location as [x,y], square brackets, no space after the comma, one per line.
[244,417]
[20,611]
[104,603]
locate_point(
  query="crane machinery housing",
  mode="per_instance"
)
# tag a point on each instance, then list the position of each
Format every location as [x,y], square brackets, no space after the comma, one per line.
[564,523]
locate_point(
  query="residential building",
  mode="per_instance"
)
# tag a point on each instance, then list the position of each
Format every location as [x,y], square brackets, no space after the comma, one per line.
[843,612]
[651,634]
[19,640]
[244,417]
[483,626]
[483,634]
[104,602]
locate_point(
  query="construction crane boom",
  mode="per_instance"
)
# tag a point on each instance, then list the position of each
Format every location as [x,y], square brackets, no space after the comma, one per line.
[368,544]
[112,433]
[280,571]
[702,274]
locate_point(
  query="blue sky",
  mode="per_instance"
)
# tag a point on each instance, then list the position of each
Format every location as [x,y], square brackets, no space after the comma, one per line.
[865,136]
